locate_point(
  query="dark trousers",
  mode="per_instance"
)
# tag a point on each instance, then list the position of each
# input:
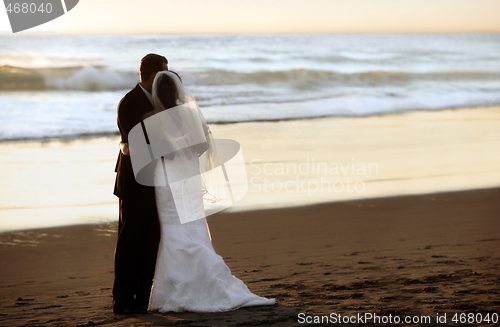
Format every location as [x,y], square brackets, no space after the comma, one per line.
[136,251]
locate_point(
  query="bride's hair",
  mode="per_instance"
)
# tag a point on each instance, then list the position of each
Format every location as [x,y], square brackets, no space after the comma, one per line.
[167,91]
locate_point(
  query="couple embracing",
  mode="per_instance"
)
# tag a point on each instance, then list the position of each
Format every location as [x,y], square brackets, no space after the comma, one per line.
[164,259]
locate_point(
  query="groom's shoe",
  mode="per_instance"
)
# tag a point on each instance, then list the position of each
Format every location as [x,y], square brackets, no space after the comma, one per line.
[142,301]
[130,309]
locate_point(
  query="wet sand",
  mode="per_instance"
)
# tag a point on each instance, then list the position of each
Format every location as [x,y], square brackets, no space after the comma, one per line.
[408,255]
[392,253]
[288,163]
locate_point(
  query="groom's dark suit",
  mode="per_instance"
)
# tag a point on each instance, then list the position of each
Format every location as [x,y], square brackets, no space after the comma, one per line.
[139,228]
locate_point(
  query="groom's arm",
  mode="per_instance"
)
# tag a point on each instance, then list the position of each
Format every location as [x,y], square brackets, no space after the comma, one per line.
[128,117]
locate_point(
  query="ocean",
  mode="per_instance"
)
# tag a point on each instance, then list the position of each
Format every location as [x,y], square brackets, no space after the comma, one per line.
[69,86]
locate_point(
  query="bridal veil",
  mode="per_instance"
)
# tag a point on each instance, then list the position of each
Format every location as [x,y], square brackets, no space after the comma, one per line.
[177,126]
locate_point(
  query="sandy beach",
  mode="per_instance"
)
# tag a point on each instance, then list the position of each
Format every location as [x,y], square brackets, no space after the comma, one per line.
[420,239]
[408,255]
[288,163]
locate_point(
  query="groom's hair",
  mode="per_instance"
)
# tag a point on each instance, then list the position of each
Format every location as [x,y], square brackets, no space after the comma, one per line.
[151,64]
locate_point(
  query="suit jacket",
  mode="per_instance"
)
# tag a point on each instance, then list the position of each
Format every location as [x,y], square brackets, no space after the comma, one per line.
[130,112]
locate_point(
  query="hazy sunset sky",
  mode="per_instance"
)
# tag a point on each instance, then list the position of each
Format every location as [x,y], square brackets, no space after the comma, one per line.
[273,16]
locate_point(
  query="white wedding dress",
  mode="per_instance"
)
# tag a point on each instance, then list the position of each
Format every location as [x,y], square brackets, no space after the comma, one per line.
[189,275]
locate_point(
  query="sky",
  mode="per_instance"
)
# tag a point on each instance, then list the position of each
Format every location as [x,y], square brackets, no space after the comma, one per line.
[273,16]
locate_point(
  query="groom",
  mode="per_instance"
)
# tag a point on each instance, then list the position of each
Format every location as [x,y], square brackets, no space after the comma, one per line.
[139,228]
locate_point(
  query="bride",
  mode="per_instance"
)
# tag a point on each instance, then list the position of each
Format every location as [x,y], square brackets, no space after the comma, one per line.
[189,275]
